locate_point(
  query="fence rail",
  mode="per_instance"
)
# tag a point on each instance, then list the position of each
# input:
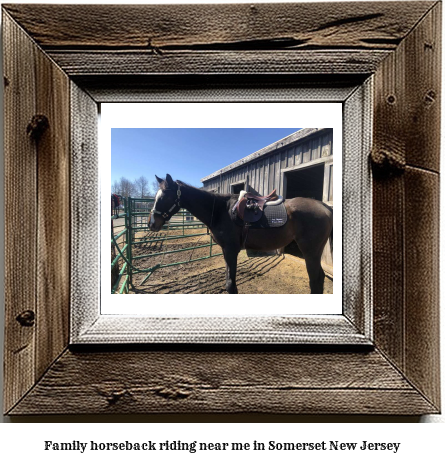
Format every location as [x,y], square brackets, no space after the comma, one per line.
[135,232]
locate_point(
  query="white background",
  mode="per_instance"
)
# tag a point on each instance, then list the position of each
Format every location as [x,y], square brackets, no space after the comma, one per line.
[22,442]
[223,115]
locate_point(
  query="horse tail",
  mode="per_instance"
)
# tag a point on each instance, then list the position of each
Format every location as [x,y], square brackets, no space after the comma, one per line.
[331,237]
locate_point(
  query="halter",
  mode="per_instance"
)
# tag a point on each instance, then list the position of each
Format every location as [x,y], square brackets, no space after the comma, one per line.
[177,203]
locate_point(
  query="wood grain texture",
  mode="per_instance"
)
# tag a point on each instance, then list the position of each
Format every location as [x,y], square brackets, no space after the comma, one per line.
[406,241]
[109,329]
[123,63]
[357,209]
[399,42]
[422,281]
[85,211]
[53,200]
[223,382]
[423,91]
[388,200]
[388,271]
[274,26]
[408,90]
[217,88]
[20,212]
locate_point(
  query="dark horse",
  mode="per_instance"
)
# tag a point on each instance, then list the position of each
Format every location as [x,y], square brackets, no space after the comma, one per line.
[309,225]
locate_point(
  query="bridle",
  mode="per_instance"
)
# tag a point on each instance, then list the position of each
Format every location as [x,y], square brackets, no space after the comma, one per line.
[177,203]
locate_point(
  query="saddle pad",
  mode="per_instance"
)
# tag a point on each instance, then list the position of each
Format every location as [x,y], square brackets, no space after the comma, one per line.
[274,216]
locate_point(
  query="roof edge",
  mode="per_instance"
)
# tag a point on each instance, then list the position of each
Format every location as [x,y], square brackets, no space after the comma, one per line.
[291,138]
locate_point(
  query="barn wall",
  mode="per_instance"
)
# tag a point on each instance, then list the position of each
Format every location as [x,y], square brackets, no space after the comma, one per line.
[264,174]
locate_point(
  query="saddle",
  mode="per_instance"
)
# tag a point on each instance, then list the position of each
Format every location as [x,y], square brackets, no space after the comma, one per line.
[250,207]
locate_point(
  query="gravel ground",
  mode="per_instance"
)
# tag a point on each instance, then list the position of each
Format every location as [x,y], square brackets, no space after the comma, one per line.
[257,273]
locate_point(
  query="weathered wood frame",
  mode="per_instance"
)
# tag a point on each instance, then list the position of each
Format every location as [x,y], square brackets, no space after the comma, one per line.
[94,53]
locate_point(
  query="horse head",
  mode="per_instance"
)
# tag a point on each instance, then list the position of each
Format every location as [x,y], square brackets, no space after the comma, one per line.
[167,203]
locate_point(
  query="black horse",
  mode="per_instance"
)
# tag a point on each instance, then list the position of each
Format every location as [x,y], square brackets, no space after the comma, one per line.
[309,225]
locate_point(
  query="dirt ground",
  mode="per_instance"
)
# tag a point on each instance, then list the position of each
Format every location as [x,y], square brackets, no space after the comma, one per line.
[257,273]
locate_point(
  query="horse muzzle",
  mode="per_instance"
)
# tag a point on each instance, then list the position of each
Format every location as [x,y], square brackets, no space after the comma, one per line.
[155,224]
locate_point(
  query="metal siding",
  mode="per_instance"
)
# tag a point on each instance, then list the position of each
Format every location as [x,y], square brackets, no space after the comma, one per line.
[278,171]
[272,169]
[331,190]
[257,177]
[298,154]
[252,177]
[306,152]
[262,176]
[262,170]
[327,145]
[315,151]
[271,175]
[245,173]
[288,157]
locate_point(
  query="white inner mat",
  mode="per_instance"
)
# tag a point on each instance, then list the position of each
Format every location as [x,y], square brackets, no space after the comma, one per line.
[218,115]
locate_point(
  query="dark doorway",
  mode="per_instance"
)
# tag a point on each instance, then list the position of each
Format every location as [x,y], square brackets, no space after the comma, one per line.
[306,182]
[237,188]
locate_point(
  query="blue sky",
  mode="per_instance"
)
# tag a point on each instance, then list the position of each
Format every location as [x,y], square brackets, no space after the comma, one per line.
[186,154]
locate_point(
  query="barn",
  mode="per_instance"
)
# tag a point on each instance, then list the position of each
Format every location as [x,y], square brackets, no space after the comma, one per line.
[299,165]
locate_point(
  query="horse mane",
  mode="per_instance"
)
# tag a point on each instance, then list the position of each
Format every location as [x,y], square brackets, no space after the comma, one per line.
[210,195]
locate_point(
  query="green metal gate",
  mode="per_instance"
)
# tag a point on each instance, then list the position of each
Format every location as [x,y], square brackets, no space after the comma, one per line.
[130,230]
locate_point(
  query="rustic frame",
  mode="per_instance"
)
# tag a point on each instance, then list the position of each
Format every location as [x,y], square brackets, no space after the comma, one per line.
[90,323]
[68,52]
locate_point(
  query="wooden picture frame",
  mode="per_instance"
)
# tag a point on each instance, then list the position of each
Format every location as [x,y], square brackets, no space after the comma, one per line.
[76,56]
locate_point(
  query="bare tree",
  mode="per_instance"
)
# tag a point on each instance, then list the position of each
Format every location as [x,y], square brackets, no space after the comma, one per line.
[155,187]
[127,188]
[115,188]
[141,185]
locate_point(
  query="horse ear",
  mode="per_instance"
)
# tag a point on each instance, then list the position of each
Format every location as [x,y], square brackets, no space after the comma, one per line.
[159,179]
[169,181]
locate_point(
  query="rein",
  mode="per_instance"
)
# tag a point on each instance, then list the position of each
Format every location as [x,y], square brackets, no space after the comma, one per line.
[177,203]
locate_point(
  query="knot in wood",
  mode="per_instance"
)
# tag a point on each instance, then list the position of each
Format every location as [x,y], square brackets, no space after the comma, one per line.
[386,163]
[172,393]
[37,126]
[115,396]
[26,318]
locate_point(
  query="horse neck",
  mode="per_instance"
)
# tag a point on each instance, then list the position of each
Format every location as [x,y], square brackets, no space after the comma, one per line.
[199,203]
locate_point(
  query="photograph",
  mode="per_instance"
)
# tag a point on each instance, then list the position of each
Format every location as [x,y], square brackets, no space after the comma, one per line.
[262,224]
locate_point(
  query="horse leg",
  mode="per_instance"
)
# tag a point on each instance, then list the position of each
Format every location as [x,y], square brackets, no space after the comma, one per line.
[231,257]
[316,274]
[314,269]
